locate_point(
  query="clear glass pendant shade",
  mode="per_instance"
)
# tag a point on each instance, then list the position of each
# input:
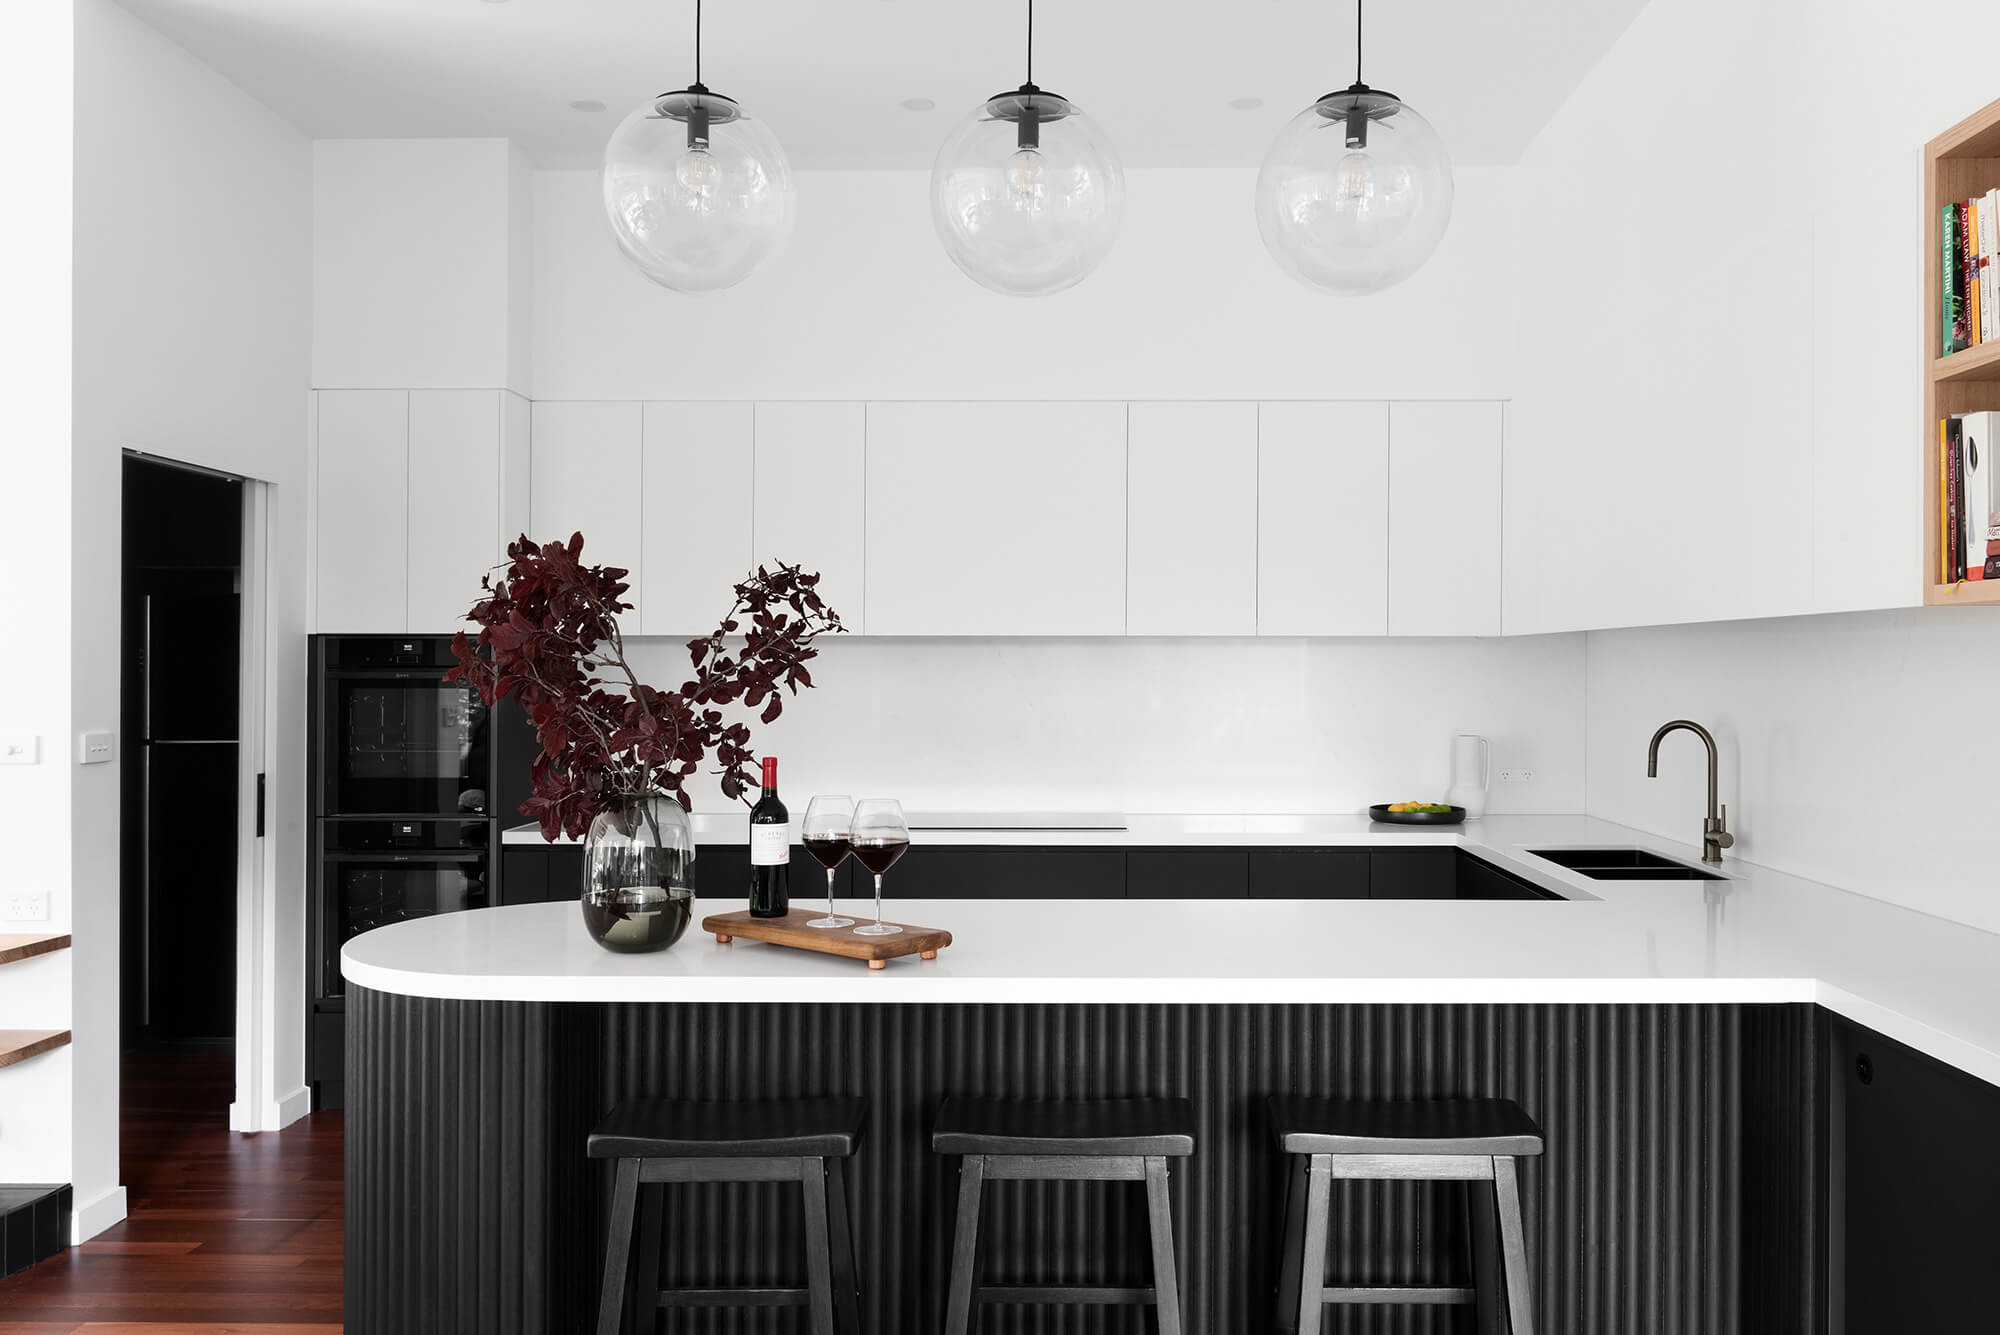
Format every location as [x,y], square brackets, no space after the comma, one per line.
[1027,194]
[1355,193]
[699,193]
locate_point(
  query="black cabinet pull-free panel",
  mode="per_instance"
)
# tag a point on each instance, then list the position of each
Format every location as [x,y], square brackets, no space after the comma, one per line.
[990,872]
[1308,873]
[1187,873]
[1413,873]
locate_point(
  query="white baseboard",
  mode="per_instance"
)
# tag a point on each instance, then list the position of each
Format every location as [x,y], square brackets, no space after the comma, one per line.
[290,1108]
[270,1116]
[92,1217]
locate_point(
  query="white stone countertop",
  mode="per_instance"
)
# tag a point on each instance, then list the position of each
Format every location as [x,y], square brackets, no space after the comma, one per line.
[1757,936]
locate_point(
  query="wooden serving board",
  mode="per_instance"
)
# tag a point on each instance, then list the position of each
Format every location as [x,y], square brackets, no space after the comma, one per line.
[791,930]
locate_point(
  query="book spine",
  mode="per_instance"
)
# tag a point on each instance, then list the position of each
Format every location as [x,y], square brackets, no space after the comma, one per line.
[1968,244]
[1953,528]
[1943,491]
[1953,274]
[1989,225]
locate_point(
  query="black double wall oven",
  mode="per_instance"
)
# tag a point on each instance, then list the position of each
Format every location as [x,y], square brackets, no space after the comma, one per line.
[403,822]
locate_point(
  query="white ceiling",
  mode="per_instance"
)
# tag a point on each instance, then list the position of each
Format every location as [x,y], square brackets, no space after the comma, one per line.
[830,75]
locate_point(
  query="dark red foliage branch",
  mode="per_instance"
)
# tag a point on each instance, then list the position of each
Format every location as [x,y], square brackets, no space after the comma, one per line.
[549,637]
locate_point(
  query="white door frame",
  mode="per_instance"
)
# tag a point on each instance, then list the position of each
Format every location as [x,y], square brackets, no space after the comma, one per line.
[255,869]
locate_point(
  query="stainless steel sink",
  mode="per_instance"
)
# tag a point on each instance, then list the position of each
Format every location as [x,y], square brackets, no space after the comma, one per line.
[1623,864]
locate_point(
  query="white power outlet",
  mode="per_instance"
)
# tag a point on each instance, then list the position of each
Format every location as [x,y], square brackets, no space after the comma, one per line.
[96,748]
[20,750]
[25,906]
[1516,775]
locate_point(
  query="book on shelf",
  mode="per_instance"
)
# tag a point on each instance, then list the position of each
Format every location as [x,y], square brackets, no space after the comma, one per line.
[1989,244]
[1980,504]
[1968,241]
[1954,527]
[1968,257]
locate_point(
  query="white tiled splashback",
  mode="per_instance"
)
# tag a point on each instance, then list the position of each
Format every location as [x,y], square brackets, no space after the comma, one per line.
[1170,725]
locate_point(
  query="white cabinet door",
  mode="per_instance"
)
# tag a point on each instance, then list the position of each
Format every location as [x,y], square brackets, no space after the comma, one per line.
[585,469]
[1322,519]
[454,488]
[996,519]
[806,504]
[697,502]
[517,510]
[1444,518]
[361,515]
[1191,517]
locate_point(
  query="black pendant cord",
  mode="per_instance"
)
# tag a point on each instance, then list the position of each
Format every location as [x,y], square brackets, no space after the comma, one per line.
[1031,44]
[1357,39]
[697,43]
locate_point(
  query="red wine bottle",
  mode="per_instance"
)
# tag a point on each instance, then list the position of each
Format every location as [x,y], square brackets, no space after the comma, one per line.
[770,850]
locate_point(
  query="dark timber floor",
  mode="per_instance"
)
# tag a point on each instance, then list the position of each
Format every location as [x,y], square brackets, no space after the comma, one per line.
[226,1233]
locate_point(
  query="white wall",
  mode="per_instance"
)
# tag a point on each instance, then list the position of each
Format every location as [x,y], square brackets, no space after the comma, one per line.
[192,337]
[1857,749]
[1170,725]
[35,127]
[419,264]
[863,304]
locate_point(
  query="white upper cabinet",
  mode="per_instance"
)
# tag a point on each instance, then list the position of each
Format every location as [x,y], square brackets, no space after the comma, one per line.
[361,512]
[1444,518]
[1323,519]
[454,486]
[1191,519]
[996,519]
[517,464]
[586,480]
[697,507]
[807,504]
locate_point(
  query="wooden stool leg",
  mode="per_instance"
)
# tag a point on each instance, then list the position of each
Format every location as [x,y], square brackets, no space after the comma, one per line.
[617,1245]
[646,1279]
[1312,1256]
[1488,1281]
[819,1252]
[846,1285]
[1294,1246]
[1513,1247]
[1160,1219]
[964,1247]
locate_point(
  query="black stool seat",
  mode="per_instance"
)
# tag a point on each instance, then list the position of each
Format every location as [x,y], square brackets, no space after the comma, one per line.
[1162,1128]
[673,1129]
[1404,1126]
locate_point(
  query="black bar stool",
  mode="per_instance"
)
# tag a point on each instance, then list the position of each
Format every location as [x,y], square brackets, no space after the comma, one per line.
[1103,1140]
[1474,1141]
[807,1141]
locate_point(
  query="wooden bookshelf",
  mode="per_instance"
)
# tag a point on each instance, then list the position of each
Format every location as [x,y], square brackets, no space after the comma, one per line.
[1962,162]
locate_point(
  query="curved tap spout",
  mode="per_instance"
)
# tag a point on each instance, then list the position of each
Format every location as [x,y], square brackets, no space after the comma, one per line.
[1715,835]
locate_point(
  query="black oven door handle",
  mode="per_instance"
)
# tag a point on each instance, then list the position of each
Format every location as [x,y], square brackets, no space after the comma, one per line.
[452,855]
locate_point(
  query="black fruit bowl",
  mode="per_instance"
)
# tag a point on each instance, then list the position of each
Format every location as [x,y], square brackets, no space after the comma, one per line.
[1382,813]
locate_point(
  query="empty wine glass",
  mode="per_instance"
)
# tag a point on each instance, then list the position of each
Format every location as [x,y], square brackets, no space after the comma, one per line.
[878,837]
[829,825]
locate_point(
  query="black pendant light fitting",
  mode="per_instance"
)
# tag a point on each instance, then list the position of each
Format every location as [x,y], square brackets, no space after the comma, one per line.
[1358,104]
[1028,107]
[696,105]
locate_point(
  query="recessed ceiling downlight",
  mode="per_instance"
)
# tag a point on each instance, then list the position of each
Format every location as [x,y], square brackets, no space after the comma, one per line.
[917,104]
[586,104]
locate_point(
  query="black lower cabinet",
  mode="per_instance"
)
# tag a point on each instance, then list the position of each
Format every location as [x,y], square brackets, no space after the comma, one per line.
[1187,873]
[1478,879]
[1413,873]
[1914,1188]
[961,872]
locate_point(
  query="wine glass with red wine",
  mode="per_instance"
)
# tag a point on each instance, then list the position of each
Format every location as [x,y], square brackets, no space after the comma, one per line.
[829,825]
[879,836]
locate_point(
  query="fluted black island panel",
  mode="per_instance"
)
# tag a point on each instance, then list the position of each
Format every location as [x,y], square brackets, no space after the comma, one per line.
[1679,1192]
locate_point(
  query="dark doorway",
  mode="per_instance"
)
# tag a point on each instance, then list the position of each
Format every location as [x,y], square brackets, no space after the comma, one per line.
[182,617]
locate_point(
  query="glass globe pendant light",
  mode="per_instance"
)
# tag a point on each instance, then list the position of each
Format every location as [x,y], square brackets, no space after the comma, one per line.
[1355,193]
[1026,193]
[698,192]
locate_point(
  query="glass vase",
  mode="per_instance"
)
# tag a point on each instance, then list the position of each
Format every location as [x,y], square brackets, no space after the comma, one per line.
[638,873]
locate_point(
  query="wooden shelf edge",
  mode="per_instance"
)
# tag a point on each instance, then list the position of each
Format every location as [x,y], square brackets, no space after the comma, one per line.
[17,1045]
[16,946]
[1970,593]
[1980,363]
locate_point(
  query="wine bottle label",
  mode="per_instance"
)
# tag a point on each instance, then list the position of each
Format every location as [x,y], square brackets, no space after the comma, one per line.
[770,845]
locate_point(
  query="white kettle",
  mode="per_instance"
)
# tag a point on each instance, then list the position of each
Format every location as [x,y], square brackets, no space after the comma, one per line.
[1471,766]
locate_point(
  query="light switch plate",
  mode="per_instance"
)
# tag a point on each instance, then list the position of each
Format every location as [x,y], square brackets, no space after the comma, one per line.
[95,748]
[25,906]
[20,750]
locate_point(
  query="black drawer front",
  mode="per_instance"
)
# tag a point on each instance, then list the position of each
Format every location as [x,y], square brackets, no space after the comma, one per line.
[1187,873]
[1308,873]
[1004,873]
[1413,873]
